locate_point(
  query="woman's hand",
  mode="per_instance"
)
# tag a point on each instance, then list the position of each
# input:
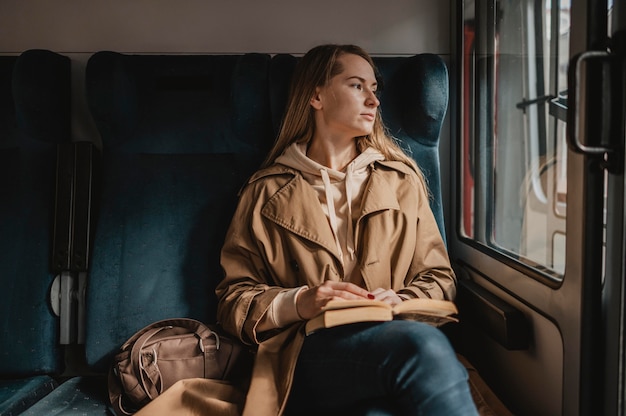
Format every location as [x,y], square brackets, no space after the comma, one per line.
[311,301]
[387,295]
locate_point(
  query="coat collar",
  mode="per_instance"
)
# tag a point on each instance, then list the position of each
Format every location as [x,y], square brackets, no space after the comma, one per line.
[296,206]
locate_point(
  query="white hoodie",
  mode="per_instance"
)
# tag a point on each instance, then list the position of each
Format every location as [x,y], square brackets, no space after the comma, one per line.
[340,194]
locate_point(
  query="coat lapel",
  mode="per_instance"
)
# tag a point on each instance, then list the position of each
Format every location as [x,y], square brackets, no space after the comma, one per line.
[378,196]
[296,208]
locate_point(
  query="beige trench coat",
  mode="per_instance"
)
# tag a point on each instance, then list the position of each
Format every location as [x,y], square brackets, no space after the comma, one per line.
[280,238]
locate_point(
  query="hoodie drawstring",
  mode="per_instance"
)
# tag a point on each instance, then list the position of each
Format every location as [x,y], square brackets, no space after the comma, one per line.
[332,215]
[350,233]
[330,202]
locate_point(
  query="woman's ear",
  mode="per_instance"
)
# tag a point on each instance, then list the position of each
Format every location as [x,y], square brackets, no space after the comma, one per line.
[316,100]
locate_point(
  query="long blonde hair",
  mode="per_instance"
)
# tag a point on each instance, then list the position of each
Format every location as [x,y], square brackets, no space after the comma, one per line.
[316,68]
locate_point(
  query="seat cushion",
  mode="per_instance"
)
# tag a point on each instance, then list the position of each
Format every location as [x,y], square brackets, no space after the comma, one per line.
[76,396]
[18,395]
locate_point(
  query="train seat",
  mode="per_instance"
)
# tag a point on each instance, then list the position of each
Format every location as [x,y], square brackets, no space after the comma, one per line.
[34,121]
[190,130]
[414,102]
[180,135]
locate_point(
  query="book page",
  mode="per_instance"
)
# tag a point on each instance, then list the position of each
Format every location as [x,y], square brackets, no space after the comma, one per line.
[354,303]
[429,306]
[340,312]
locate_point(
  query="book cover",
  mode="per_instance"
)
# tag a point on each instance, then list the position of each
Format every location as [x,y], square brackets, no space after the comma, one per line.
[341,312]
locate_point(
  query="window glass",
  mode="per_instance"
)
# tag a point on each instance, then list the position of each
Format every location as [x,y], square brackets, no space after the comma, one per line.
[513,173]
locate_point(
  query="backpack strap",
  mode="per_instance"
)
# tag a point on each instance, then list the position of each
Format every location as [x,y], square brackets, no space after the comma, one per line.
[155,387]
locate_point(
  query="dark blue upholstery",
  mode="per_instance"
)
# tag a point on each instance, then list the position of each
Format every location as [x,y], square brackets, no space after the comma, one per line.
[77,396]
[17,395]
[163,104]
[8,124]
[414,102]
[34,118]
[180,135]
[281,71]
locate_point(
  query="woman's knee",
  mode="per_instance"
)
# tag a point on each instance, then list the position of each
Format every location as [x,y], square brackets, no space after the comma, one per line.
[425,350]
[420,339]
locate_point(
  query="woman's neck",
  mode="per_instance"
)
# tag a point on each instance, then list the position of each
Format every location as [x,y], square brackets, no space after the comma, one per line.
[331,154]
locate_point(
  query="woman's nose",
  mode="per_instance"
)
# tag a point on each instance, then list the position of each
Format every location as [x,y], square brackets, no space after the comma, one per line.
[372,99]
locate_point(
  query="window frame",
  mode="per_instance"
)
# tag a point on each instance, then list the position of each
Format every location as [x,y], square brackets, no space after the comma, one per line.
[477,147]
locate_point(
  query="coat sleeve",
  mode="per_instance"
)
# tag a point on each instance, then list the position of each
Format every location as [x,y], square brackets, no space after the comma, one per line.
[246,292]
[430,273]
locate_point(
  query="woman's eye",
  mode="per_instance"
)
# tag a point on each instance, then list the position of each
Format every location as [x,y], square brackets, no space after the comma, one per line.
[357,86]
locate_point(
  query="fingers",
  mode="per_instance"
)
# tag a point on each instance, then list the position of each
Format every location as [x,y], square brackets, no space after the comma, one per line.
[311,301]
[387,295]
[381,293]
[344,290]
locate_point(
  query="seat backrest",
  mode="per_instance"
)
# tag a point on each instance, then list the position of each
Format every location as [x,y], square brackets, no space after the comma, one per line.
[414,102]
[180,135]
[34,119]
[8,125]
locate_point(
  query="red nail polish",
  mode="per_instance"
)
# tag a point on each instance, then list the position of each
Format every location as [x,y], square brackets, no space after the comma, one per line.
[370,296]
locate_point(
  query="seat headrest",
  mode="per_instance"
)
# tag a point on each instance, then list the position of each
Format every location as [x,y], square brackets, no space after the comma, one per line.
[281,71]
[414,99]
[180,103]
[41,89]
[8,124]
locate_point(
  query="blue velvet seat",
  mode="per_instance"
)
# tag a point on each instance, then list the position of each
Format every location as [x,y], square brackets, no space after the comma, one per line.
[414,102]
[180,135]
[34,120]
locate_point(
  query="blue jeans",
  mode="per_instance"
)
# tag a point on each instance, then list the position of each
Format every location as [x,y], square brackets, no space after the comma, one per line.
[388,368]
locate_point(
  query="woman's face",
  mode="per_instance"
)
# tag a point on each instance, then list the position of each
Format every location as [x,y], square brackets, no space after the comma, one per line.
[347,106]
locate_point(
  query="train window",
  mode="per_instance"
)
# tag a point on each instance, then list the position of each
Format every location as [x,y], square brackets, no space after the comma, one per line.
[513,151]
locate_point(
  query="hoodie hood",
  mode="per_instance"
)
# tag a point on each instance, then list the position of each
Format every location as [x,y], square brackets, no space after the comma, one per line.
[340,193]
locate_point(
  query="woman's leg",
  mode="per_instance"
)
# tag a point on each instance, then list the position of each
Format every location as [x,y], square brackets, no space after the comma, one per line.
[397,367]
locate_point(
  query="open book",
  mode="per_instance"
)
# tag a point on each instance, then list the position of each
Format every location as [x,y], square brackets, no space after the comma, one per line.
[340,312]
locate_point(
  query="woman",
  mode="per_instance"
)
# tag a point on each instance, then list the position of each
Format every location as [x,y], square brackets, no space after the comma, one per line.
[338,212]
